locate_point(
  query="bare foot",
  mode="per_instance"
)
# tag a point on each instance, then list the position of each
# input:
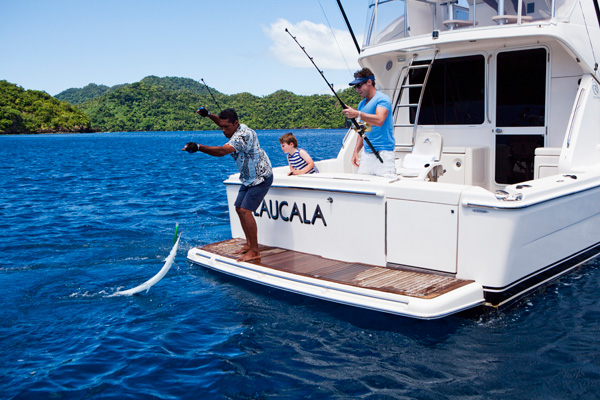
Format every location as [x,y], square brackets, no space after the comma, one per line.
[250,255]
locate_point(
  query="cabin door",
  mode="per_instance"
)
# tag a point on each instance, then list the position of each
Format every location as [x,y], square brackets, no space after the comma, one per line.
[520,112]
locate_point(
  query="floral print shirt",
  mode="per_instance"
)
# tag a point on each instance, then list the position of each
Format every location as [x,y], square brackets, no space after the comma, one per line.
[252,161]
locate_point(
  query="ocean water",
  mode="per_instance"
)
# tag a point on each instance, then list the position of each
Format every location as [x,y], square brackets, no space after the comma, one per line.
[82,216]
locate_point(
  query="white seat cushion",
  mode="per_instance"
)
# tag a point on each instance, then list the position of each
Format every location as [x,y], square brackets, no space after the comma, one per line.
[408,173]
[417,161]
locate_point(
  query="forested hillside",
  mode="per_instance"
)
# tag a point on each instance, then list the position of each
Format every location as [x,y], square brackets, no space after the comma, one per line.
[32,111]
[91,91]
[161,104]
[78,96]
[169,104]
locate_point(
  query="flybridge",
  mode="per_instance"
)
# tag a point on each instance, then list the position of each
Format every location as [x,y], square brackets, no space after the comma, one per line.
[389,20]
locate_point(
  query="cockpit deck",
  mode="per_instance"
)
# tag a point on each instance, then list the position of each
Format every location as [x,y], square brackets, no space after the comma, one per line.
[398,281]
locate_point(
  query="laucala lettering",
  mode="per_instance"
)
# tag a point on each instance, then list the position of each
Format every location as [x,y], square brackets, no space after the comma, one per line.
[279,210]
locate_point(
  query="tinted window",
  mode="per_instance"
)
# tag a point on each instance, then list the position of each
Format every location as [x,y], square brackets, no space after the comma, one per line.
[454,94]
[521,88]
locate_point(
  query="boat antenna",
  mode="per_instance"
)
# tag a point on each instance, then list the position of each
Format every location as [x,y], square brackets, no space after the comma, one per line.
[211,95]
[359,129]
[348,25]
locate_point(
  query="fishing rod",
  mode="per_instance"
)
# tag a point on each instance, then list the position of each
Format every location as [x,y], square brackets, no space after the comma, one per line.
[211,95]
[348,25]
[359,129]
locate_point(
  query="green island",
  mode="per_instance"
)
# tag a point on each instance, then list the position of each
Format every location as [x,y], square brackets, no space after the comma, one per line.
[160,104]
[33,111]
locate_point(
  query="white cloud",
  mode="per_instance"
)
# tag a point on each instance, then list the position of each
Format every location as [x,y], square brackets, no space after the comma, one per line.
[328,52]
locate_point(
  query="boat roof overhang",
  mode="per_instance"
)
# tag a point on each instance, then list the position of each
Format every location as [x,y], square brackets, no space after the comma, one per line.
[490,38]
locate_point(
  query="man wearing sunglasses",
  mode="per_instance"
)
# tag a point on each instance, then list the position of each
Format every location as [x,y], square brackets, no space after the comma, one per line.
[376,110]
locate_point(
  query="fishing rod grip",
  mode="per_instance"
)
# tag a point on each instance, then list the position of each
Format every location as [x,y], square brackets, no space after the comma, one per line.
[368,142]
[373,149]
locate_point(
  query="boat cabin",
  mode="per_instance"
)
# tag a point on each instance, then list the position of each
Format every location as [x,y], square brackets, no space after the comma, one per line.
[497,90]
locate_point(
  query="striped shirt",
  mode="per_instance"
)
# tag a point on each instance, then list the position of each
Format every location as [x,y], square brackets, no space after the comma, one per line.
[298,162]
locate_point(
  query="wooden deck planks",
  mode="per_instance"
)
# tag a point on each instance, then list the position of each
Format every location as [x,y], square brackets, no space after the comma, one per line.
[410,283]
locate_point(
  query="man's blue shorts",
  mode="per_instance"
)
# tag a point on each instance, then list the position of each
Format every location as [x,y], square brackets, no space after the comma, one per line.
[250,197]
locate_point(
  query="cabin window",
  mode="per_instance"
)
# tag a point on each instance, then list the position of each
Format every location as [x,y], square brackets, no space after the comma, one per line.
[521,88]
[454,93]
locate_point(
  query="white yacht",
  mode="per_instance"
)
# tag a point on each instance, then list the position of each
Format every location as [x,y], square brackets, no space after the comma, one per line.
[497,126]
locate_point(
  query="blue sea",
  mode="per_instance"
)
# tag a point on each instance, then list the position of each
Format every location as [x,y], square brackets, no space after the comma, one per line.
[82,216]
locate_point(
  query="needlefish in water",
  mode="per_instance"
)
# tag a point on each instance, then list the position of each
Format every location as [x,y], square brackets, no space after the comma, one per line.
[156,278]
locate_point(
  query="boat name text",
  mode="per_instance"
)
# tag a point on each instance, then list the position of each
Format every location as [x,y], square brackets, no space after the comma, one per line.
[278,210]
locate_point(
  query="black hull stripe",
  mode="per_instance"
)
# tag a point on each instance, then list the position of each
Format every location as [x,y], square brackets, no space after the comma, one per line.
[496,296]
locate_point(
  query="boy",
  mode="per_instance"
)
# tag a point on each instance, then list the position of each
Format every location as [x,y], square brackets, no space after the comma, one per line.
[298,159]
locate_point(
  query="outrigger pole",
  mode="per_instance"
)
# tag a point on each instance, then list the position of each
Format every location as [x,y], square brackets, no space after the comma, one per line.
[348,25]
[211,95]
[359,129]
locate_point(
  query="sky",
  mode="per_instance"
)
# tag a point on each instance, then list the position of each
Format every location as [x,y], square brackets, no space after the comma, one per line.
[234,45]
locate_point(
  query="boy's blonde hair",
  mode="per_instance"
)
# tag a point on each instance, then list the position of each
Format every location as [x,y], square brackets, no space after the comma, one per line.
[289,138]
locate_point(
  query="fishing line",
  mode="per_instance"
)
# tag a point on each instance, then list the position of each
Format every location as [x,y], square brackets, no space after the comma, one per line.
[334,38]
[211,95]
[195,129]
[588,35]
[248,65]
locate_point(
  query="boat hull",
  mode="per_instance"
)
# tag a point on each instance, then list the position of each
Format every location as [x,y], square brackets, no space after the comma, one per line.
[506,248]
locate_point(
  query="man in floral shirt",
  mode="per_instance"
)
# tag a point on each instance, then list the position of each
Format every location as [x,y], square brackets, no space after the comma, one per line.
[255,169]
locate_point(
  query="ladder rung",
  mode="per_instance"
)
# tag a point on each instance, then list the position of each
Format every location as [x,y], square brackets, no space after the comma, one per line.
[413,85]
[404,126]
[408,105]
[419,66]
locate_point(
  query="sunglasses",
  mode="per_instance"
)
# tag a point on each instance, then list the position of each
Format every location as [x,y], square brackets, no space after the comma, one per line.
[359,85]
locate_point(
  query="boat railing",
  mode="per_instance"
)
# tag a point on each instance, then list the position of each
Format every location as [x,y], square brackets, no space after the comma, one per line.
[390,20]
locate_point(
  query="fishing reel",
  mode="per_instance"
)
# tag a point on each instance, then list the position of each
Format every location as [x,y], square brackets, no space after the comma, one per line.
[364,127]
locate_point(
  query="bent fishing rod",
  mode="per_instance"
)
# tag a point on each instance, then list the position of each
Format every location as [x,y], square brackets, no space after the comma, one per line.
[211,95]
[359,129]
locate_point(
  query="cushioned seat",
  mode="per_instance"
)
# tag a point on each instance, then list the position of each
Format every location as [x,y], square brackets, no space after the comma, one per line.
[423,163]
